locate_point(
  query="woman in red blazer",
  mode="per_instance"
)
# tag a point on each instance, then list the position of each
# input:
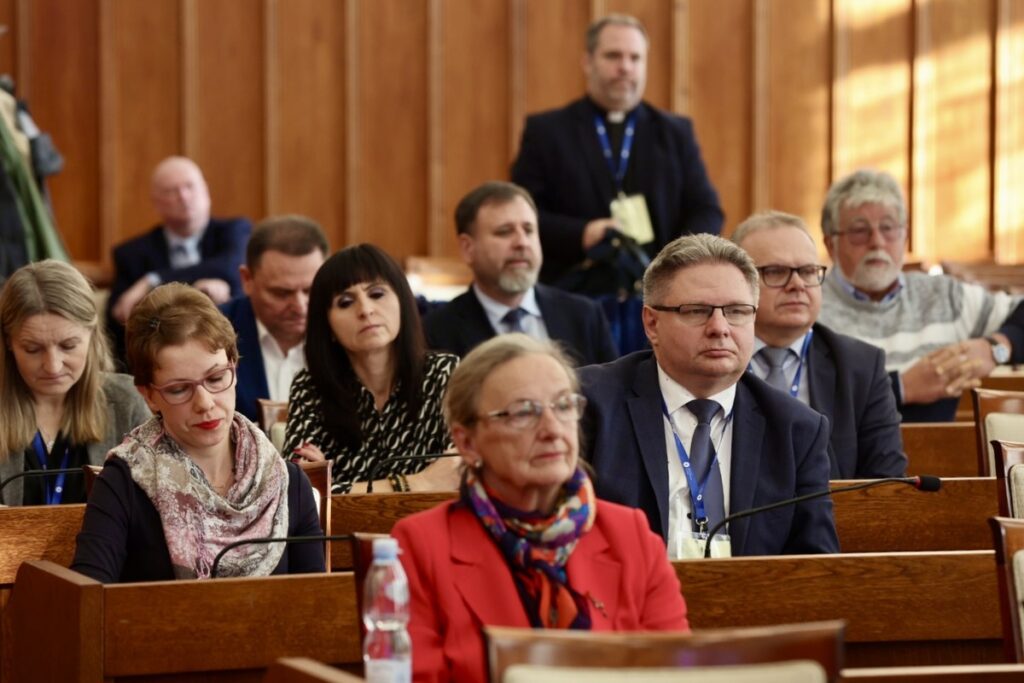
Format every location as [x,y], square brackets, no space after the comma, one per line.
[526,544]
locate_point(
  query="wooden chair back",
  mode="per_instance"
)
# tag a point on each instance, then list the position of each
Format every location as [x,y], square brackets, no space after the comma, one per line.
[957,673]
[988,402]
[91,472]
[305,670]
[319,474]
[942,449]
[271,412]
[374,513]
[820,642]
[1008,536]
[1008,455]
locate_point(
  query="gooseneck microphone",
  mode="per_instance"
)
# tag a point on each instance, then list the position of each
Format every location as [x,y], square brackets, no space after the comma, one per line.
[277,539]
[39,473]
[380,464]
[925,482]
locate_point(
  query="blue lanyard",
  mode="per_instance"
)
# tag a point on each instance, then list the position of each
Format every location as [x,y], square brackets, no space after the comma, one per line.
[696,491]
[54,493]
[606,147]
[794,388]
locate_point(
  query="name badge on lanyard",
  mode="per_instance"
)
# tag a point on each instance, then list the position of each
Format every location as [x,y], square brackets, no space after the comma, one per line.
[53,491]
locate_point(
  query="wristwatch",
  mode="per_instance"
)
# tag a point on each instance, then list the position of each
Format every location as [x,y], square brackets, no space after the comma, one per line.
[1000,351]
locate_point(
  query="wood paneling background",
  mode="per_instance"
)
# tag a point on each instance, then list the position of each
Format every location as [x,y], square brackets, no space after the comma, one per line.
[375,116]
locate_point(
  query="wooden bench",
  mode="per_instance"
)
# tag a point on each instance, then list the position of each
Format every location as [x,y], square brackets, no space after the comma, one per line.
[899,518]
[62,626]
[943,449]
[964,673]
[901,609]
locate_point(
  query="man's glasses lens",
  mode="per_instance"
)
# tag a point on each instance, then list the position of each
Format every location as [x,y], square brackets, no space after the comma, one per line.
[780,276]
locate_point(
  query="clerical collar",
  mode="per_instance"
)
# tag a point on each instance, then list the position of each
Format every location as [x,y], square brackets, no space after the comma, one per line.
[616,116]
[613,117]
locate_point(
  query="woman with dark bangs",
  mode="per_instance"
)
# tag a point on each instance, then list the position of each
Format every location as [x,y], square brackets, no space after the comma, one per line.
[371,390]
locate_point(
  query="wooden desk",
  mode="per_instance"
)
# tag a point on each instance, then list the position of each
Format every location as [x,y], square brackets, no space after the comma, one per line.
[897,518]
[901,609]
[943,449]
[37,532]
[62,626]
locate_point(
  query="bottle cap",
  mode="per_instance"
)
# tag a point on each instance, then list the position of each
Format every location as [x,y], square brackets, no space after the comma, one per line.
[385,548]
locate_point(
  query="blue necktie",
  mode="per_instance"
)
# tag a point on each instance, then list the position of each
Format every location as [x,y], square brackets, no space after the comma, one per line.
[513,320]
[702,452]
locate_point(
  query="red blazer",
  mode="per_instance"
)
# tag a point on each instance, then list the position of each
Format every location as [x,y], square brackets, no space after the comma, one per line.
[459,581]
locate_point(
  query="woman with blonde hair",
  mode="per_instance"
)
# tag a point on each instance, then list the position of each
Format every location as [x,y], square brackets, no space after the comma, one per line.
[62,405]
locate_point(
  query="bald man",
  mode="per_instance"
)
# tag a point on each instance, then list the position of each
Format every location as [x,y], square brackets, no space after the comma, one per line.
[186,246]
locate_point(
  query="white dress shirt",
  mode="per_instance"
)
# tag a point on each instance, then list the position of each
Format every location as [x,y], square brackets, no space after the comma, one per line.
[679,504]
[280,367]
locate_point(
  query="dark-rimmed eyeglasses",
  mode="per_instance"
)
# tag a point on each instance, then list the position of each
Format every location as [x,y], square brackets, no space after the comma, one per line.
[695,315]
[859,235]
[182,391]
[525,414]
[780,276]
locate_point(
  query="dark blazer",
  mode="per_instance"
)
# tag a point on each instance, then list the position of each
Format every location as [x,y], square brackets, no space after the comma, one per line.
[561,163]
[251,375]
[779,451]
[848,384]
[222,249]
[575,321]
[459,580]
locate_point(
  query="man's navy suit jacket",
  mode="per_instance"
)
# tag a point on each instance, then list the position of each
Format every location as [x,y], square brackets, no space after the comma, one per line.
[575,321]
[779,451]
[222,251]
[561,163]
[848,384]
[250,373]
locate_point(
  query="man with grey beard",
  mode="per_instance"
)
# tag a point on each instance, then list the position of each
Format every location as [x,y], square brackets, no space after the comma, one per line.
[496,228]
[940,335]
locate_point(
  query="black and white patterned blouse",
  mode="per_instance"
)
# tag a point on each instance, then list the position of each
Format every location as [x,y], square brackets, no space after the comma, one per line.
[388,433]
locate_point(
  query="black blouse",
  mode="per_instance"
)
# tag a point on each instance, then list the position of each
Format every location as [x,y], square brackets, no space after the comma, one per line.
[74,482]
[388,433]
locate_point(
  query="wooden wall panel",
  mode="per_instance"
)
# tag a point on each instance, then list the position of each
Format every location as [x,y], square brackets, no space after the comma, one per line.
[144,114]
[721,99]
[305,104]
[1009,133]
[389,152]
[554,48]
[791,111]
[473,125]
[61,86]
[9,39]
[872,87]
[224,103]
[952,90]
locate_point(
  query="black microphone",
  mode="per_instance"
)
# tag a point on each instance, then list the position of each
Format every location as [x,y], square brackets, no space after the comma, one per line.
[39,473]
[377,466]
[925,482]
[281,539]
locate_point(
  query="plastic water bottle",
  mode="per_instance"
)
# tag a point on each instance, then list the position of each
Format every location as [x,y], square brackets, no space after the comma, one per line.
[387,650]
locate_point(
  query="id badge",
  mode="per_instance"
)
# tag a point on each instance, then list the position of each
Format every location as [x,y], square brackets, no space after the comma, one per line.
[690,546]
[633,218]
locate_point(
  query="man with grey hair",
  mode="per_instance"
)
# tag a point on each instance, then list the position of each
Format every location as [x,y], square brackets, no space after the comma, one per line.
[686,434]
[940,335]
[842,378]
[612,161]
[496,227]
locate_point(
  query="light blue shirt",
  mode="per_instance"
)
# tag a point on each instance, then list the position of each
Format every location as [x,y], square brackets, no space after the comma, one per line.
[532,323]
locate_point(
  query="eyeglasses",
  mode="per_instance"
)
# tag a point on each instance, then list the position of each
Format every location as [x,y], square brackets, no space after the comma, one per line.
[780,276]
[860,235]
[695,315]
[526,414]
[182,391]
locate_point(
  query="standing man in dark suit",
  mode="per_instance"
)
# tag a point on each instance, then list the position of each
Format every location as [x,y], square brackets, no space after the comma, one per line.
[496,225]
[685,433]
[281,261]
[612,148]
[842,378]
[187,246]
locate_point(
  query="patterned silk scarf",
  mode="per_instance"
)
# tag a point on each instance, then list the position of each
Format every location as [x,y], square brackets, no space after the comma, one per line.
[538,547]
[197,521]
